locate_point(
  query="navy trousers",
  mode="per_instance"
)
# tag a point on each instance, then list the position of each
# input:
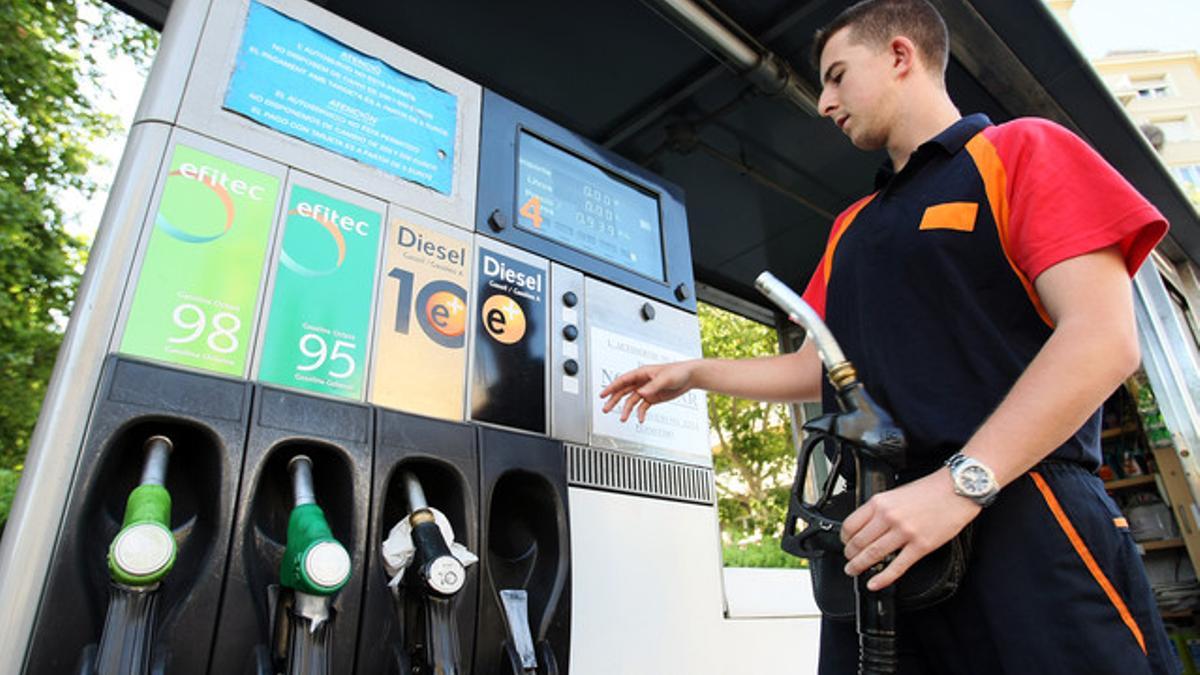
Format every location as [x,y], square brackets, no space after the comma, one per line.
[1055,586]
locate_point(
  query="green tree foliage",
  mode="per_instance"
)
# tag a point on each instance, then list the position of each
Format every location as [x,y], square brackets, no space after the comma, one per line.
[753,457]
[49,77]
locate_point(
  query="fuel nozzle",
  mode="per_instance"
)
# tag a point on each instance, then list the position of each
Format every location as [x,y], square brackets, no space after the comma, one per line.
[440,572]
[144,549]
[314,561]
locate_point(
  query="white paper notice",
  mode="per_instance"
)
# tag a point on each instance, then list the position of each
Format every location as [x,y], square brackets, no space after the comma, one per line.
[680,425]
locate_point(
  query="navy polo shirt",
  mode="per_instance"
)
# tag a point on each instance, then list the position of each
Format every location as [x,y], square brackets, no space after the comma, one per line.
[927,283]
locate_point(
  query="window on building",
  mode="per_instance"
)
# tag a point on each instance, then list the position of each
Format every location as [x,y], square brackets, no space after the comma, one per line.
[1176,129]
[1188,177]
[1151,86]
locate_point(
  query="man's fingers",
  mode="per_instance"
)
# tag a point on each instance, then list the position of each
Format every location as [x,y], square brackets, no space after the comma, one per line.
[629,380]
[641,411]
[629,404]
[855,521]
[874,529]
[616,397]
[907,557]
[875,552]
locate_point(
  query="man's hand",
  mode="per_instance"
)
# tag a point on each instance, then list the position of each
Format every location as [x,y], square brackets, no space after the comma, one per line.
[911,520]
[648,385]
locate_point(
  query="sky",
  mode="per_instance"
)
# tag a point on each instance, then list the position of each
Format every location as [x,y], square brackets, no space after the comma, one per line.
[1101,26]
[1106,25]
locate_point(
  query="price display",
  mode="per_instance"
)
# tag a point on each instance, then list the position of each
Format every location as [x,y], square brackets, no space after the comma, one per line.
[573,202]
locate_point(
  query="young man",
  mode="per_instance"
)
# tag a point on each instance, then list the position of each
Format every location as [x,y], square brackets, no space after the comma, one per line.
[983,295]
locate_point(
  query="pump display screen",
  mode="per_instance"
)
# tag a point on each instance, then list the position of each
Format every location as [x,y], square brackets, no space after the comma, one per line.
[573,202]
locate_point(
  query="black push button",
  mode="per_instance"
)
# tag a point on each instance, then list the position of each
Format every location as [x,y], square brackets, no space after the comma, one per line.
[570,299]
[571,366]
[497,220]
[648,312]
[570,332]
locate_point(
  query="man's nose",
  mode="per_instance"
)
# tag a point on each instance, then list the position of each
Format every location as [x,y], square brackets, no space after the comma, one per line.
[826,104]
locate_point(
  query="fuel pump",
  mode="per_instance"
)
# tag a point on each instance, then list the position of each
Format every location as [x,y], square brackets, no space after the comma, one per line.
[428,566]
[876,446]
[315,566]
[139,557]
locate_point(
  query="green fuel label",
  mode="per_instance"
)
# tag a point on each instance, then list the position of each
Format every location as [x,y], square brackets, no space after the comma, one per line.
[194,304]
[319,324]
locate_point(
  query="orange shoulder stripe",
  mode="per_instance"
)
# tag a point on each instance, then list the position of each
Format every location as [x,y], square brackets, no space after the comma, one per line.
[995,182]
[840,229]
[1089,561]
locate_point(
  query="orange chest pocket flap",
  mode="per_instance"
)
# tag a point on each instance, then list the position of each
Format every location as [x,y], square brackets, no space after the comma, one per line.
[959,216]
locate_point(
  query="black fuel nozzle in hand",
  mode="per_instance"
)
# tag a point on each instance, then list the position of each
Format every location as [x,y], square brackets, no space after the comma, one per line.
[863,432]
[139,557]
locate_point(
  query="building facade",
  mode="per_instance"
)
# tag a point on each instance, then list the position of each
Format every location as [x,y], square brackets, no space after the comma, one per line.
[1161,93]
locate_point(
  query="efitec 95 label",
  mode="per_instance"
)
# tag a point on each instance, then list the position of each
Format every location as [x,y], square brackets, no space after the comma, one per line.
[318,330]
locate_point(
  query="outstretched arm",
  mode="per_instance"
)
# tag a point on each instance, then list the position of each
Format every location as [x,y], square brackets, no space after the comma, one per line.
[788,377]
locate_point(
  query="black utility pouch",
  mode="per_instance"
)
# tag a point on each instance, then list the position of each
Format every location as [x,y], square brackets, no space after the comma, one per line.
[931,580]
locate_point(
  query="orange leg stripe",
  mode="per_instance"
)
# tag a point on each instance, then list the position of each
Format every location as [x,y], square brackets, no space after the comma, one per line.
[995,182]
[1090,562]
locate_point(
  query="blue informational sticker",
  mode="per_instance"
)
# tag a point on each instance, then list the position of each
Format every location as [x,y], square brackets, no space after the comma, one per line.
[303,83]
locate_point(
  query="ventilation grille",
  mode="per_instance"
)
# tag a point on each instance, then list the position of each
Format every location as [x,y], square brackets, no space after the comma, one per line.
[611,470]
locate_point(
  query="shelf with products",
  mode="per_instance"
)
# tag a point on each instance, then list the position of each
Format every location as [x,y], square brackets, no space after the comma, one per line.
[1124,483]
[1144,476]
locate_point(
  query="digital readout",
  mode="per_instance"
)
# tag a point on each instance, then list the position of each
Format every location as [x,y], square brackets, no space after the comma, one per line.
[578,204]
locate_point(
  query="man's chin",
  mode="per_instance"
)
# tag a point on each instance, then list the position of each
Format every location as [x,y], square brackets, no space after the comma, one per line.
[867,143]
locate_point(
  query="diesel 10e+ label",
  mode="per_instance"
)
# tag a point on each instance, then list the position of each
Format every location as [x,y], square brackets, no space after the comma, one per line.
[420,354]
[319,325]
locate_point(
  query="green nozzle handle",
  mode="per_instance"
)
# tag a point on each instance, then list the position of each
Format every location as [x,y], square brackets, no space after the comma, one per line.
[144,549]
[314,561]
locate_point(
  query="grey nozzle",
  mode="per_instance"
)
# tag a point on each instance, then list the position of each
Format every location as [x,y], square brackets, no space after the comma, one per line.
[416,495]
[158,451]
[300,467]
[799,311]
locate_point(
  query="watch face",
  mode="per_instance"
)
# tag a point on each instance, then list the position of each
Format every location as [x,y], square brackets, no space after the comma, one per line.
[974,480]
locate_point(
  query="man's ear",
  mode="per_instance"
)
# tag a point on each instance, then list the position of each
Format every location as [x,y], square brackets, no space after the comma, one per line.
[904,55]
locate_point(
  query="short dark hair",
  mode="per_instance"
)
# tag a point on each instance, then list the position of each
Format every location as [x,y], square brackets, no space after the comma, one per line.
[876,22]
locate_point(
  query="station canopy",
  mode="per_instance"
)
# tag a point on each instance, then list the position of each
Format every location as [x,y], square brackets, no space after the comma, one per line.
[763,177]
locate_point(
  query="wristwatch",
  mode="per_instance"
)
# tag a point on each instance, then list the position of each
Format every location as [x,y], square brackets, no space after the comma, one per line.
[973,479]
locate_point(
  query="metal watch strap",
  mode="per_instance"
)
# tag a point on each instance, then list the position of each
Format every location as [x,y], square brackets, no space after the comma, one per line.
[958,459]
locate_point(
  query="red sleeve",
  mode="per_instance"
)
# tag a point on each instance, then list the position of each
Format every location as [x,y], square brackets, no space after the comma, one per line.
[1066,201]
[814,293]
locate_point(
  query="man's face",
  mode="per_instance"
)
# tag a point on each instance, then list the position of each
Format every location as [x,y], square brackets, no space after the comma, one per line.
[856,90]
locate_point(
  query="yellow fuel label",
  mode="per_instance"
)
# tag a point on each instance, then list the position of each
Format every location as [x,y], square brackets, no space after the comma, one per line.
[421,357]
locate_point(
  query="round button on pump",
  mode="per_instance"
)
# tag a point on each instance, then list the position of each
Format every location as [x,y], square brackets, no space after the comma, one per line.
[570,299]
[570,332]
[648,312]
[497,221]
[571,367]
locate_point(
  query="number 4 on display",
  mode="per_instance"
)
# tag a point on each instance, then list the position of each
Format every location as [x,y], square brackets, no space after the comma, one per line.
[532,210]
